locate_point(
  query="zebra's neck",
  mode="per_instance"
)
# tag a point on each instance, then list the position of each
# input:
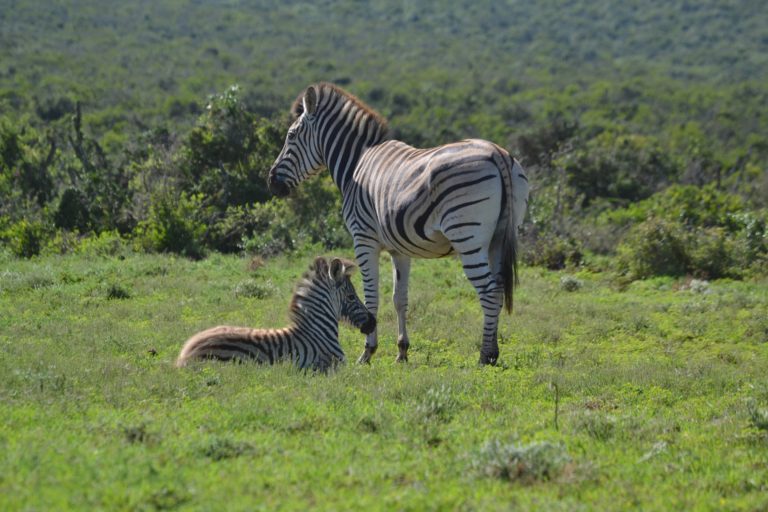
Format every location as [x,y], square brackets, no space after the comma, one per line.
[314,324]
[347,127]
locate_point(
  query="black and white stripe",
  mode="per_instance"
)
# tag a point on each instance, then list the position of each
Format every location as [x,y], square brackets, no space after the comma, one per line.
[466,198]
[324,296]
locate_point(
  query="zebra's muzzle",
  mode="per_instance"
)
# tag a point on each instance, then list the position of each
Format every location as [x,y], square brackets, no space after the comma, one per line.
[369,326]
[278,186]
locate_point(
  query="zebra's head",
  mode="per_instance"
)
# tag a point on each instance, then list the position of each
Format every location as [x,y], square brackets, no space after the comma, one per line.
[301,156]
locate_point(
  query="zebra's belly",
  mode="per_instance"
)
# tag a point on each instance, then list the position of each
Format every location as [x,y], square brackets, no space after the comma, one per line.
[434,245]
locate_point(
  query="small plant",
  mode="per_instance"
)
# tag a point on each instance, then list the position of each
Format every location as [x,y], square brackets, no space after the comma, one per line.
[598,426]
[116,291]
[570,284]
[219,448]
[758,416]
[37,282]
[527,464]
[138,434]
[697,286]
[253,288]
[256,263]
[438,405]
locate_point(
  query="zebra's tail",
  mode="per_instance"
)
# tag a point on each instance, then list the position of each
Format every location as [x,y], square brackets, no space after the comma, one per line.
[507,166]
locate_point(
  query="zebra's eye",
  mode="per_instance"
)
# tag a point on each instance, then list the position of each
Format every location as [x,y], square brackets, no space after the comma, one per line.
[350,296]
[291,134]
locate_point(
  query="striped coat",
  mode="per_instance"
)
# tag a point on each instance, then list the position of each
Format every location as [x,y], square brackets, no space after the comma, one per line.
[324,296]
[466,198]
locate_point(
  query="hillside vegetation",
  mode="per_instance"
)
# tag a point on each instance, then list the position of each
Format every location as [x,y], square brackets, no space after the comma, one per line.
[156,122]
[135,138]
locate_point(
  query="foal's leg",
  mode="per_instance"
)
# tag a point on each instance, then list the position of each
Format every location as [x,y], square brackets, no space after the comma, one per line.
[368,259]
[401,269]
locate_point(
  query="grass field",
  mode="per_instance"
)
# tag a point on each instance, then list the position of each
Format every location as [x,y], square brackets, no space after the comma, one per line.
[652,396]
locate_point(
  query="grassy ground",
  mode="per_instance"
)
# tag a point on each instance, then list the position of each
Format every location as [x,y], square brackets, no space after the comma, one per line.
[653,397]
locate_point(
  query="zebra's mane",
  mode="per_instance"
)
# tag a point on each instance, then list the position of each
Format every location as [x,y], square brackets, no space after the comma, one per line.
[311,280]
[334,90]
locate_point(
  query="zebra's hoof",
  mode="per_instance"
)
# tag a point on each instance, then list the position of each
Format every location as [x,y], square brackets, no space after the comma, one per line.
[365,357]
[488,360]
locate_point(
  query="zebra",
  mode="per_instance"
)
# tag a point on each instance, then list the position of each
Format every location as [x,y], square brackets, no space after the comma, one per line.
[324,296]
[467,197]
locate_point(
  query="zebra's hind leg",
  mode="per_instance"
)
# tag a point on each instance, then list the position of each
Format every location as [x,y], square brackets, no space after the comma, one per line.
[478,270]
[401,270]
[368,259]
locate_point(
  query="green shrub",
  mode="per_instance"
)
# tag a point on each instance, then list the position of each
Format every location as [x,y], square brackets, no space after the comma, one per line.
[72,212]
[228,153]
[689,205]
[664,247]
[173,225]
[552,251]
[26,238]
[654,247]
[106,243]
[618,166]
[713,254]
[273,231]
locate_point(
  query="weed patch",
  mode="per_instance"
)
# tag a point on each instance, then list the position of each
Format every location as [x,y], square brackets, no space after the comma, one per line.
[254,288]
[220,448]
[521,463]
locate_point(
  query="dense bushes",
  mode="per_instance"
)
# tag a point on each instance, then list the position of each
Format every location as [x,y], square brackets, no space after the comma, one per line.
[692,230]
[182,193]
[597,190]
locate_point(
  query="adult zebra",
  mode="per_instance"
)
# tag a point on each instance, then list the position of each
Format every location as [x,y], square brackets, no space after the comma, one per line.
[467,197]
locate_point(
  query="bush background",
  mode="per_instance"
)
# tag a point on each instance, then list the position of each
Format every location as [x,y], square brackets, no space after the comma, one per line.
[134,142]
[127,119]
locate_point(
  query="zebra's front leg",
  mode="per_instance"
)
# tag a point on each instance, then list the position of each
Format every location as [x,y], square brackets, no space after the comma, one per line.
[401,270]
[490,293]
[368,259]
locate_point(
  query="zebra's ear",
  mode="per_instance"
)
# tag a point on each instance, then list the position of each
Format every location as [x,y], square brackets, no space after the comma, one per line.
[338,272]
[310,100]
[349,267]
[320,266]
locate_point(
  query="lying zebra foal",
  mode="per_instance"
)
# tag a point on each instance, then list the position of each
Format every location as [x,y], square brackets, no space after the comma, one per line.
[324,296]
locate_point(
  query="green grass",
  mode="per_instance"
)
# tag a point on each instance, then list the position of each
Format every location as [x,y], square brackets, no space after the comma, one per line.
[652,397]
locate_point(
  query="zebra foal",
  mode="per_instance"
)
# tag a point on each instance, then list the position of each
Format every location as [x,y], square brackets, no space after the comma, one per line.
[324,296]
[466,198]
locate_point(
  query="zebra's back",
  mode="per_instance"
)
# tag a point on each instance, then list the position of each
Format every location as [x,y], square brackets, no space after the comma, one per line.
[417,198]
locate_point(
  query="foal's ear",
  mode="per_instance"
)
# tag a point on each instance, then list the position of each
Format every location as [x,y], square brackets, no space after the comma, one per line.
[338,272]
[321,266]
[310,100]
[349,266]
